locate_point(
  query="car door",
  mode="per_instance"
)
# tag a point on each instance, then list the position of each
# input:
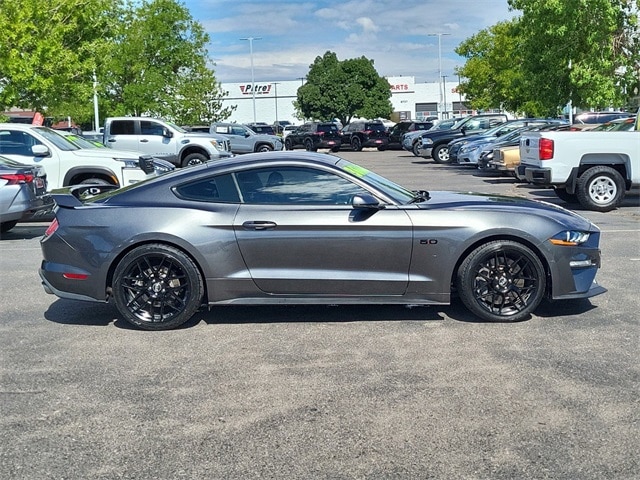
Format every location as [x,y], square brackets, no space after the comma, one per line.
[300,235]
[123,135]
[152,140]
[241,141]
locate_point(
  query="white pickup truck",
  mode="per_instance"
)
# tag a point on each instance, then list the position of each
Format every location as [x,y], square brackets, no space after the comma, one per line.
[593,168]
[65,163]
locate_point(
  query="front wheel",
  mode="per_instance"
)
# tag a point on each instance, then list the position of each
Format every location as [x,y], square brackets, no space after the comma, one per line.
[416,148]
[440,154]
[600,188]
[6,226]
[501,281]
[356,144]
[157,287]
[193,159]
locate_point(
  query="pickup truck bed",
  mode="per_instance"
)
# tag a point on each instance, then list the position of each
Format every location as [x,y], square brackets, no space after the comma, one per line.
[592,168]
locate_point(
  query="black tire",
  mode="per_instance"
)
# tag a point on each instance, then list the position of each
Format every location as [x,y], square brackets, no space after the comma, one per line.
[288,145]
[265,147]
[601,189]
[440,154]
[356,144]
[194,159]
[501,281]
[382,148]
[565,196]
[95,181]
[308,145]
[416,148]
[157,287]
[335,149]
[6,226]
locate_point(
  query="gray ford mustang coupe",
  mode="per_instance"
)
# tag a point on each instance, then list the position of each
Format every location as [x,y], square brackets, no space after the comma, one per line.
[303,227]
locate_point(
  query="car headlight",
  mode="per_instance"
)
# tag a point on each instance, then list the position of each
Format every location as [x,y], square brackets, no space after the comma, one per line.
[427,141]
[570,238]
[129,163]
[216,145]
[162,166]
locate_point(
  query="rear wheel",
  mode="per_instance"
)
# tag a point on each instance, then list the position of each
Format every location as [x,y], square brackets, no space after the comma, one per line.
[440,154]
[288,145]
[356,144]
[157,287]
[600,188]
[501,281]
[308,145]
[264,148]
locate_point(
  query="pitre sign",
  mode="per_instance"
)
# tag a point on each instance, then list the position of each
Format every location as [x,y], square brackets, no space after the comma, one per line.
[263,89]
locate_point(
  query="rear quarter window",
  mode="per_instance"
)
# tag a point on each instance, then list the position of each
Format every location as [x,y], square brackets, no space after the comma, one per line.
[220,189]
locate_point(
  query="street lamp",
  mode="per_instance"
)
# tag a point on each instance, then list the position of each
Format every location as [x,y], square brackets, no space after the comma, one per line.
[95,102]
[275,86]
[253,84]
[439,35]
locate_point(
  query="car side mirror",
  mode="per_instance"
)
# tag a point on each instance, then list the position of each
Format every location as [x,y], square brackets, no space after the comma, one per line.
[167,133]
[366,201]
[40,151]
[463,130]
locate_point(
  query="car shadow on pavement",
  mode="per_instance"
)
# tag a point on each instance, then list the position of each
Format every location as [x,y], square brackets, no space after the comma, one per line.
[24,231]
[69,312]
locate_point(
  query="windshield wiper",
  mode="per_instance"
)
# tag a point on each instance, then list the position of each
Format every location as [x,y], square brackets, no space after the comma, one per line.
[420,196]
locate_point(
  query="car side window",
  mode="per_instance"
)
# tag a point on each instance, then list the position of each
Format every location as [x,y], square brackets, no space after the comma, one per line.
[220,188]
[13,142]
[295,186]
[122,127]
[150,128]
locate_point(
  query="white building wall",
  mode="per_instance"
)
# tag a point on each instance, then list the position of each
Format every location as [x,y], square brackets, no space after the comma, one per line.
[274,100]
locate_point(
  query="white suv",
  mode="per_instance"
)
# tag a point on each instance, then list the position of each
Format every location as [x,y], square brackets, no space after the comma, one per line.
[66,164]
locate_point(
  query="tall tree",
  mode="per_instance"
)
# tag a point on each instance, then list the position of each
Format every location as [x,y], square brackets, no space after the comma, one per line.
[343,89]
[48,50]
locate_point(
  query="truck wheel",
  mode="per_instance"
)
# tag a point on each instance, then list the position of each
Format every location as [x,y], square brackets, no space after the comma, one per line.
[440,154]
[264,148]
[600,188]
[565,196]
[193,159]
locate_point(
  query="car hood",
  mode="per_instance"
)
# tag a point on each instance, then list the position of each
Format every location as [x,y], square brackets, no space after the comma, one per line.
[478,202]
[98,153]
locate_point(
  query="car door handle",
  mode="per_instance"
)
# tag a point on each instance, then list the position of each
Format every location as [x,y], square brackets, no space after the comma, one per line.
[259,225]
[144,140]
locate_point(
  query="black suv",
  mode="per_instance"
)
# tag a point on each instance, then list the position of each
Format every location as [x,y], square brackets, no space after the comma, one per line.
[314,135]
[399,129]
[361,134]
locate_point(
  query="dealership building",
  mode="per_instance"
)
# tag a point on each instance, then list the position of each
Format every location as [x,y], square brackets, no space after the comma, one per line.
[270,101]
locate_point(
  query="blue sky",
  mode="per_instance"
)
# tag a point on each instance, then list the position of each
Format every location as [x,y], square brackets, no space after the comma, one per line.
[294,33]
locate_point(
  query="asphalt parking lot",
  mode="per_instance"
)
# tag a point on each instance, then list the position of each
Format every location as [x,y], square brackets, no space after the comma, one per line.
[326,392]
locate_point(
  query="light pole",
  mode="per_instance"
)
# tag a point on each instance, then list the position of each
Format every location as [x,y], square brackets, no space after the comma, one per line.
[95,102]
[439,35]
[275,86]
[444,95]
[253,83]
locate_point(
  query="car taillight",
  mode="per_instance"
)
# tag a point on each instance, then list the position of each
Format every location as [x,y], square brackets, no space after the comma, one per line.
[545,149]
[51,229]
[16,178]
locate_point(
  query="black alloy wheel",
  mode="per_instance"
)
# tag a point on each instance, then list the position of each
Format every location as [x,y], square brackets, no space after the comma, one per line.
[356,144]
[288,145]
[501,281]
[157,287]
[308,145]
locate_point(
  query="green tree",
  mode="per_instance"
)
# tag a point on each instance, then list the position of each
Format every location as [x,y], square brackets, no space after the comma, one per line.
[48,51]
[343,90]
[158,66]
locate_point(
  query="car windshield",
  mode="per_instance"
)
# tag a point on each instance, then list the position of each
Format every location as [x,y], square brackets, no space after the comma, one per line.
[58,140]
[173,125]
[398,193]
[80,141]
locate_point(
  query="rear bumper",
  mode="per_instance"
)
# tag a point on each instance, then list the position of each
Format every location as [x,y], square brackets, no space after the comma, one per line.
[537,176]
